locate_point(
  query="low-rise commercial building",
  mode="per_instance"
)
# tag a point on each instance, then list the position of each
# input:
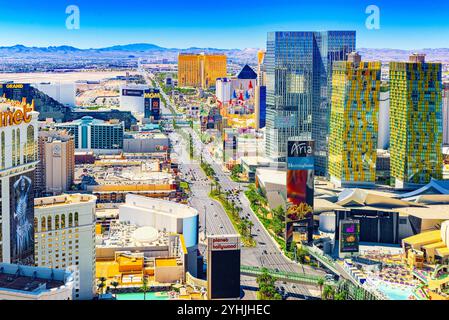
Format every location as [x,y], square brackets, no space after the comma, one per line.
[165,215]
[18,282]
[127,253]
[112,179]
[145,142]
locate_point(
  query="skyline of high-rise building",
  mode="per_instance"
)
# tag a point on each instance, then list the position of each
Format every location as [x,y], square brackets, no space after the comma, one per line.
[354,122]
[298,66]
[415,121]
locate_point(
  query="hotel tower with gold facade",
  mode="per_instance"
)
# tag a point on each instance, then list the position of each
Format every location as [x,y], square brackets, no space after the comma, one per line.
[200,70]
[354,122]
[415,122]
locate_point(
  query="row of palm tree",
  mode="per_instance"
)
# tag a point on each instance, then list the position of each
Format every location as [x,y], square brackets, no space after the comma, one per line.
[102,285]
[243,225]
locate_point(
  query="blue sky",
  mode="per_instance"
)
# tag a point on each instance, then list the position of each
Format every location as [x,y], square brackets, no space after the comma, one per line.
[220,23]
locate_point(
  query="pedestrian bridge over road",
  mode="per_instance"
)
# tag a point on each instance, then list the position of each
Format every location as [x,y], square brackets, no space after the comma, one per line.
[284,276]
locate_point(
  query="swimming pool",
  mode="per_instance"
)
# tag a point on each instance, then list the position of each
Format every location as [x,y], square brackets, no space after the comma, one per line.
[395,293]
[139,296]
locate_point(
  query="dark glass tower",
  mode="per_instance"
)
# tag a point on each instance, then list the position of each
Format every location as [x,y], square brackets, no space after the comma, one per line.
[299,70]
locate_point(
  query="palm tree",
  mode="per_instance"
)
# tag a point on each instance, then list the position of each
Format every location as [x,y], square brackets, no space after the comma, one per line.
[328,293]
[340,295]
[243,227]
[101,285]
[250,226]
[144,288]
[320,284]
[115,284]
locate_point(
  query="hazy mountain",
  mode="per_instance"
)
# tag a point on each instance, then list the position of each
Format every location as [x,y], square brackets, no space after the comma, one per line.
[133,47]
[18,48]
[386,54]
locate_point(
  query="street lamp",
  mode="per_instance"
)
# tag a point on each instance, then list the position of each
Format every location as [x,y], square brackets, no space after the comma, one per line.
[205,221]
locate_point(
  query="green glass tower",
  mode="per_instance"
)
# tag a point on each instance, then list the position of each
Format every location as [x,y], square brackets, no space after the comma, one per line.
[415,122]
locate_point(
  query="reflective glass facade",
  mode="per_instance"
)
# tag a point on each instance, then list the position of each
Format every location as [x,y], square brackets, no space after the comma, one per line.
[298,72]
[354,122]
[415,122]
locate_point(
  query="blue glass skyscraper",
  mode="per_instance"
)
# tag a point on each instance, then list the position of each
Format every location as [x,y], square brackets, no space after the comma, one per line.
[298,70]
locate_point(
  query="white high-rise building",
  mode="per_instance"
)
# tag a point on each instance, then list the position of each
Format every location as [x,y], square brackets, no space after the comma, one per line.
[383,137]
[132,98]
[18,159]
[62,92]
[65,238]
[223,90]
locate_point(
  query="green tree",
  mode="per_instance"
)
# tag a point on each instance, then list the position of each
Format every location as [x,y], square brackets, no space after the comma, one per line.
[301,254]
[190,145]
[144,288]
[321,284]
[250,226]
[101,285]
[236,170]
[115,284]
[328,293]
[340,295]
[266,284]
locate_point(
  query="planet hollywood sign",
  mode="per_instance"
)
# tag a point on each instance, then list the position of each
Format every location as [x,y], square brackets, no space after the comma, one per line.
[220,243]
[16,116]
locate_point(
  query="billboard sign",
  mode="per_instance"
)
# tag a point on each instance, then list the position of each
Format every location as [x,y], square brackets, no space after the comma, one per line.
[15,91]
[300,185]
[223,267]
[152,103]
[22,218]
[223,242]
[349,236]
[132,92]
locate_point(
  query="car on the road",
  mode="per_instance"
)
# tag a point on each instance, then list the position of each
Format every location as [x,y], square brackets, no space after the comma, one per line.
[329,277]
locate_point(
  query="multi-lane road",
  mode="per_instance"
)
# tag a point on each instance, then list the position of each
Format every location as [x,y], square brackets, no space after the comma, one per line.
[214,219]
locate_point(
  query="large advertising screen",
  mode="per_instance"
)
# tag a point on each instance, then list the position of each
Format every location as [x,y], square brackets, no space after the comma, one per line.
[152,103]
[22,218]
[300,185]
[349,236]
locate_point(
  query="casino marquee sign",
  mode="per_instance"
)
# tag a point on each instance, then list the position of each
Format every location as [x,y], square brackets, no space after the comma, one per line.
[17,116]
